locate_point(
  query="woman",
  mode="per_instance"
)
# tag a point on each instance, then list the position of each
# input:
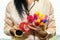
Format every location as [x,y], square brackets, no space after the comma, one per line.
[18,10]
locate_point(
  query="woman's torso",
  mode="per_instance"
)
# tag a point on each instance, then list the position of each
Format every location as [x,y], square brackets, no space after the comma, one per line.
[41,5]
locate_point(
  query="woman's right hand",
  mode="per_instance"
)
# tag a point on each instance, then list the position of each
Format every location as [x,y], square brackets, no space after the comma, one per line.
[17,32]
[10,28]
[13,30]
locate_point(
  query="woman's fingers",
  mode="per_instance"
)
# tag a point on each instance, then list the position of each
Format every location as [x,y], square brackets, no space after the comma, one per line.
[16,27]
[37,28]
[32,27]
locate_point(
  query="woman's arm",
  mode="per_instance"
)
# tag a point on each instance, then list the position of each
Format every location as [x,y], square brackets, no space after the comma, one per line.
[51,23]
[10,27]
[8,21]
[51,28]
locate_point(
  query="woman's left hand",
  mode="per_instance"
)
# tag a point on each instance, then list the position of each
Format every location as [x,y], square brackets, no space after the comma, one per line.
[38,29]
[35,28]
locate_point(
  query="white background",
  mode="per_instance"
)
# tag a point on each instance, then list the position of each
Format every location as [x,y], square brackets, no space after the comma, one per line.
[3,4]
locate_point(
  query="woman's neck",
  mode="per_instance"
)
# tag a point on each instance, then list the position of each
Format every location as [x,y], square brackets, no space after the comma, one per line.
[30,2]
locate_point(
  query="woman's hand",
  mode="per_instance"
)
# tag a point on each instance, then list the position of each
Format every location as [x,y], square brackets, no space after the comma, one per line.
[13,30]
[17,32]
[38,29]
[35,28]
